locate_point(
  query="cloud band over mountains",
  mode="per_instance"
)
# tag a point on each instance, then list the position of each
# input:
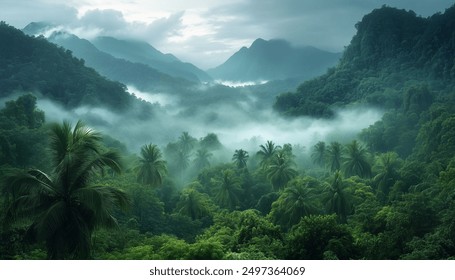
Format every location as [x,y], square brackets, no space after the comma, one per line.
[206,33]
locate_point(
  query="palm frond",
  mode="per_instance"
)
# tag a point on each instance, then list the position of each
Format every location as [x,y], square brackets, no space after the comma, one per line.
[51,220]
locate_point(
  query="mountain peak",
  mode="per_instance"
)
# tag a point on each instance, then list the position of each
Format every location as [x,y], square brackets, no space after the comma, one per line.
[258,42]
[275,59]
[34,28]
[276,43]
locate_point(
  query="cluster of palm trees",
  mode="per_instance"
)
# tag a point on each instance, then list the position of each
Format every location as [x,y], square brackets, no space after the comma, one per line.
[353,158]
[64,207]
[277,163]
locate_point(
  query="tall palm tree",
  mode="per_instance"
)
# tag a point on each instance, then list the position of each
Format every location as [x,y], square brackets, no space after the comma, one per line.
[337,200]
[334,156]
[280,170]
[186,142]
[228,189]
[152,168]
[356,160]
[62,209]
[240,158]
[202,159]
[193,204]
[386,168]
[266,152]
[319,152]
[296,201]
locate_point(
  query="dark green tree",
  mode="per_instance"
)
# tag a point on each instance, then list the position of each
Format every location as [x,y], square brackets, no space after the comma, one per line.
[320,237]
[202,159]
[337,200]
[62,209]
[319,153]
[386,167]
[228,189]
[152,168]
[334,153]
[297,200]
[266,152]
[280,170]
[186,142]
[193,204]
[240,158]
[356,161]
[23,112]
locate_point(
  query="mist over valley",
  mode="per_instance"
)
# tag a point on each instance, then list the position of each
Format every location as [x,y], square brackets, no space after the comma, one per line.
[148,130]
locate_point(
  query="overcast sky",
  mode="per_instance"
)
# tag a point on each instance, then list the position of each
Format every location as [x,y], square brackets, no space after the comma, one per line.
[207,32]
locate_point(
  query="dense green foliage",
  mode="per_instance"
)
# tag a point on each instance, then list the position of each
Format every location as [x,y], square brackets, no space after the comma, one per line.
[387,194]
[395,60]
[29,64]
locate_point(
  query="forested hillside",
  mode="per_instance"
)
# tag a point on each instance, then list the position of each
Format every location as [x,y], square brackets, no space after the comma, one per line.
[71,192]
[393,52]
[35,65]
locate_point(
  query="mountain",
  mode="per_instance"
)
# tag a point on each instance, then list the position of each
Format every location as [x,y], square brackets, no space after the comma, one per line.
[274,60]
[395,60]
[140,75]
[128,50]
[29,64]
[141,52]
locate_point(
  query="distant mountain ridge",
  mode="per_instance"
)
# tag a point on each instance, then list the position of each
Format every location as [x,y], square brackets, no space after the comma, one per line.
[130,73]
[274,60]
[141,52]
[33,64]
[127,50]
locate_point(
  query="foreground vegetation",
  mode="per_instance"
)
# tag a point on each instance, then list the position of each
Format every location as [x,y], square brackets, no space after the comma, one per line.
[68,192]
[75,195]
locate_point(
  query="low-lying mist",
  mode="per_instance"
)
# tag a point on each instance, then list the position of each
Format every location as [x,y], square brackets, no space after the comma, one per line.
[239,124]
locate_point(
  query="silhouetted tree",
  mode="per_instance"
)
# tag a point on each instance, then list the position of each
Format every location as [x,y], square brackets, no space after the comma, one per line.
[62,209]
[356,160]
[152,168]
[240,158]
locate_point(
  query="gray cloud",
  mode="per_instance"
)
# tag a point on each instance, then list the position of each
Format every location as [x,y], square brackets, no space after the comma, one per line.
[109,20]
[113,23]
[19,13]
[229,25]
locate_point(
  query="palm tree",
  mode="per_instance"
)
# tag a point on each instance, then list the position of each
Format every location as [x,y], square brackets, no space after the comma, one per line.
[296,201]
[318,154]
[202,159]
[337,200]
[152,168]
[386,168]
[356,160]
[266,152]
[240,158]
[62,209]
[280,170]
[334,156]
[186,142]
[193,204]
[228,189]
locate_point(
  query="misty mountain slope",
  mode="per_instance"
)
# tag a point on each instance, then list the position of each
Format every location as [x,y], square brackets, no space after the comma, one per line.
[134,51]
[36,65]
[393,53]
[141,52]
[274,60]
[138,74]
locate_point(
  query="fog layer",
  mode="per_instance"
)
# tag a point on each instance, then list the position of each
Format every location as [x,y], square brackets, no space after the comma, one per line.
[239,124]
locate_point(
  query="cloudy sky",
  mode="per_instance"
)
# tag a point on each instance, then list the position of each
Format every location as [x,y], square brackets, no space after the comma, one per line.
[207,32]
